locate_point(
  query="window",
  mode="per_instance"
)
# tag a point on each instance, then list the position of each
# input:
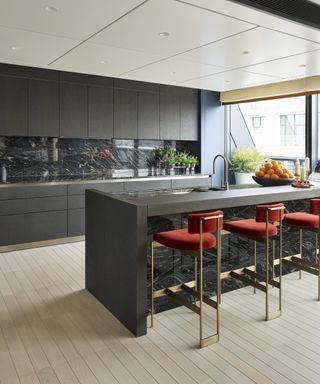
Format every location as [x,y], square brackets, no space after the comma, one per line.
[276,127]
[292,130]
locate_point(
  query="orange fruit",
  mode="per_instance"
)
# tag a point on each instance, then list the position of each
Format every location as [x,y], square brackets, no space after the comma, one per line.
[266,176]
[285,170]
[291,175]
[285,176]
[279,172]
[268,166]
[259,174]
[270,172]
[274,176]
[274,162]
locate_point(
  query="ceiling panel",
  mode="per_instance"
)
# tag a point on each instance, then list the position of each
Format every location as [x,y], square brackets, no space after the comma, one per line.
[304,65]
[257,17]
[248,48]
[172,71]
[31,48]
[103,60]
[229,80]
[76,19]
[189,27]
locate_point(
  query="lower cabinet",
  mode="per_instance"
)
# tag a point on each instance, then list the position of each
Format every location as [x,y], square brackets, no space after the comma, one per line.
[26,228]
[76,222]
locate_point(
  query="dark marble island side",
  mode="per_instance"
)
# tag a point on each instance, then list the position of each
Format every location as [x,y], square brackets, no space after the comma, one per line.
[119,229]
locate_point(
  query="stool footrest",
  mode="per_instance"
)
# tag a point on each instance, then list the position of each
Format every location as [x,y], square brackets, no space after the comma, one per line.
[196,294]
[261,277]
[181,300]
[209,340]
[174,288]
[305,262]
[302,266]
[248,280]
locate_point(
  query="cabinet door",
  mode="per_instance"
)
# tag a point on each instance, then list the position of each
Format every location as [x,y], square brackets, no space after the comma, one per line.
[189,125]
[125,114]
[13,106]
[73,110]
[148,116]
[100,123]
[43,108]
[169,113]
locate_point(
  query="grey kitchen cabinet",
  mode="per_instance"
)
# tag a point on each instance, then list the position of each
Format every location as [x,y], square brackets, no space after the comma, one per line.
[43,204]
[100,110]
[13,106]
[169,113]
[148,116]
[125,114]
[32,191]
[189,114]
[73,110]
[76,222]
[43,108]
[25,228]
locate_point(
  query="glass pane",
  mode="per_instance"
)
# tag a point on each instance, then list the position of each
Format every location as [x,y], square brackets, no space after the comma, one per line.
[277,127]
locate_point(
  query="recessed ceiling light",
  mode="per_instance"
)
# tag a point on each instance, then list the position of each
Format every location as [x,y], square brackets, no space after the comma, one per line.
[49,8]
[15,48]
[164,34]
[227,81]
[245,52]
[103,62]
[302,65]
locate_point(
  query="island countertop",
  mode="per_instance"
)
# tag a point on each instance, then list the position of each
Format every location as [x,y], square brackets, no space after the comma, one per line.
[167,202]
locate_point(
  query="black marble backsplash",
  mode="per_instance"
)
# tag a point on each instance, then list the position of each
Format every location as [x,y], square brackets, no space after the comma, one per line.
[30,159]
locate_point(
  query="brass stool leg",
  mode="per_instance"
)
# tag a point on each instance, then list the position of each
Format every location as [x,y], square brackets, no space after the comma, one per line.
[273,253]
[255,262]
[316,253]
[318,262]
[152,282]
[267,268]
[195,277]
[300,240]
[201,287]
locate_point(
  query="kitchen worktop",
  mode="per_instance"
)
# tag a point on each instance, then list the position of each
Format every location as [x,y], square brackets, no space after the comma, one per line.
[95,179]
[170,202]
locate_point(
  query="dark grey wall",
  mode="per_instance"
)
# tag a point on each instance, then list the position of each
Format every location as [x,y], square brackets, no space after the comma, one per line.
[212,133]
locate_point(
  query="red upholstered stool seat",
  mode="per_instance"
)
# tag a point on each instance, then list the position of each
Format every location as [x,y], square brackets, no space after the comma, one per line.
[250,228]
[301,220]
[182,240]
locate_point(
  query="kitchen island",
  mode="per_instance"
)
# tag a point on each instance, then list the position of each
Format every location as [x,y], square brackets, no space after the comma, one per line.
[119,228]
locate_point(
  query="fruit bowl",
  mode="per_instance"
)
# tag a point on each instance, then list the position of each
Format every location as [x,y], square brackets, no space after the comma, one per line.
[268,182]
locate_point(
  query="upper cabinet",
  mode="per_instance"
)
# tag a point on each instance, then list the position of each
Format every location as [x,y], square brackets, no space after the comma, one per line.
[13,106]
[73,110]
[189,114]
[40,102]
[43,108]
[100,110]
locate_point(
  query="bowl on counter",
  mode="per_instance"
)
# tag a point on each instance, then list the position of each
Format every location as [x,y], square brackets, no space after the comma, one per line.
[272,182]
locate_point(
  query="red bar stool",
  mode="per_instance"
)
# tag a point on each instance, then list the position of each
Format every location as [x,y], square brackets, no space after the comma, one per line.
[261,229]
[194,240]
[306,221]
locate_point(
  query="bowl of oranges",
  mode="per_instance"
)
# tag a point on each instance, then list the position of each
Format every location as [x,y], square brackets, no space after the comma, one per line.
[273,173]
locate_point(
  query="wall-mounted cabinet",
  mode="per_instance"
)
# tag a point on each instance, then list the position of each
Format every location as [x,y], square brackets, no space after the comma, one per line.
[73,110]
[13,106]
[100,110]
[39,102]
[43,108]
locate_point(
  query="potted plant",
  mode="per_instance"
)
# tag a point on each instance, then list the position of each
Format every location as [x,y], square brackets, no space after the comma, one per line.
[193,161]
[244,163]
[171,162]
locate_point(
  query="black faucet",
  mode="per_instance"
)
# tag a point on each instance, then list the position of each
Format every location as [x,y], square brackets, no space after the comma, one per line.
[225,184]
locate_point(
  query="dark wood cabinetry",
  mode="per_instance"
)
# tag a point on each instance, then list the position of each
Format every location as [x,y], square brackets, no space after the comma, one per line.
[39,102]
[189,115]
[100,109]
[169,113]
[148,116]
[73,110]
[43,108]
[125,114]
[13,106]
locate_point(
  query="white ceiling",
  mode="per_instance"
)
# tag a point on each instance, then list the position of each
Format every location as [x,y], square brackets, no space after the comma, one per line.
[217,45]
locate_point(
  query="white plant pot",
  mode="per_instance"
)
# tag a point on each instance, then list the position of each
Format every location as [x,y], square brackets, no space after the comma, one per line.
[243,178]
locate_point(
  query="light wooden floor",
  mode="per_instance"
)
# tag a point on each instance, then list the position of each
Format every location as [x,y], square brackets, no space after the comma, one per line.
[53,331]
